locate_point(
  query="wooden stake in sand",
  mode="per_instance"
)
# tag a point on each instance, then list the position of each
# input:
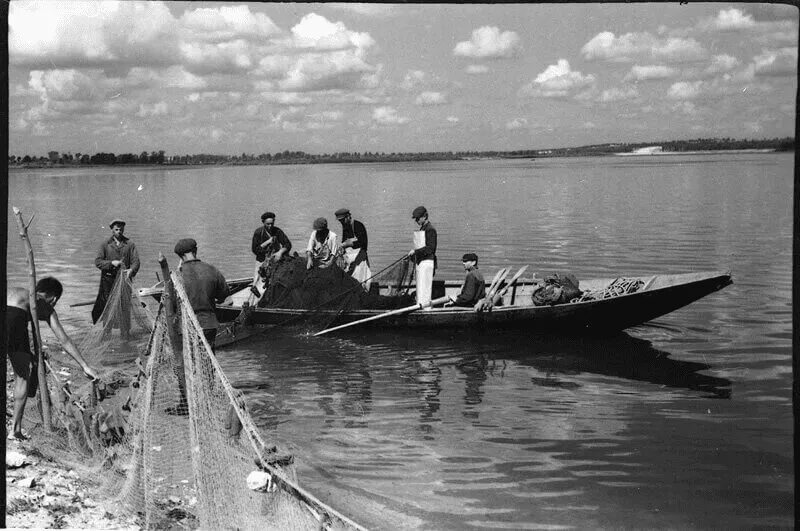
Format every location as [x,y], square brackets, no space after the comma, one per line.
[44,395]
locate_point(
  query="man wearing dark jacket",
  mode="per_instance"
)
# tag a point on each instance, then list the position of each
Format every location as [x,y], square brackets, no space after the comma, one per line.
[115,254]
[354,246]
[205,286]
[424,254]
[269,241]
[474,289]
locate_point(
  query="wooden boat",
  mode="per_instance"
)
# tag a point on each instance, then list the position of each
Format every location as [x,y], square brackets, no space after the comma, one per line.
[659,295]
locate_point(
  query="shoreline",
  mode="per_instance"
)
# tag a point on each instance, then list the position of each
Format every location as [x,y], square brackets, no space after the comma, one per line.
[78,167]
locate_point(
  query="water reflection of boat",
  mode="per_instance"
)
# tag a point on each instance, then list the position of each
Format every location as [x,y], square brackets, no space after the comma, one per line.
[661,294]
[619,355]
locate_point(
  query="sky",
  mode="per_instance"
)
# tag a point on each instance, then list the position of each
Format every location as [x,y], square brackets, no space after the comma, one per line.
[232,78]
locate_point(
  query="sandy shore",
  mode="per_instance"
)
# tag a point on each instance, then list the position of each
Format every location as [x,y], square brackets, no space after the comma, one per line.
[46,490]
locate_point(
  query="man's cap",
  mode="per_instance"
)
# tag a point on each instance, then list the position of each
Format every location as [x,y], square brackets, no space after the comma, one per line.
[116,221]
[185,245]
[267,215]
[342,212]
[320,223]
[469,257]
[419,212]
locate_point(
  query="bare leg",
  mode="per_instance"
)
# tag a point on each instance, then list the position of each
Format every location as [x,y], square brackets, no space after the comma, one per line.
[20,399]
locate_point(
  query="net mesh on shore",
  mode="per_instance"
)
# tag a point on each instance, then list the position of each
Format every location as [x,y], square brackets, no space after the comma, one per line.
[166,431]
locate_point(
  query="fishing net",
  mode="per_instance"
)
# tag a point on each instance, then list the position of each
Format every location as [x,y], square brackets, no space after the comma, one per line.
[326,293]
[170,437]
[125,321]
[619,286]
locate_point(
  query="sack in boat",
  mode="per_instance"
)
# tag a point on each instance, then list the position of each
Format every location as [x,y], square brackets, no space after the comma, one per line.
[546,294]
[568,284]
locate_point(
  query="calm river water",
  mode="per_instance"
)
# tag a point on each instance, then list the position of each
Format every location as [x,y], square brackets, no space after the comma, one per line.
[685,422]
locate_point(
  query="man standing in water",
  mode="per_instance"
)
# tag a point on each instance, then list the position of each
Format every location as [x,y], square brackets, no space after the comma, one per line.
[25,365]
[354,245]
[269,242]
[114,255]
[424,254]
[205,286]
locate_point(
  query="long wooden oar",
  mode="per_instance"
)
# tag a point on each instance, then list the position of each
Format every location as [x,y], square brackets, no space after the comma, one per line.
[399,311]
[499,294]
[486,302]
[496,280]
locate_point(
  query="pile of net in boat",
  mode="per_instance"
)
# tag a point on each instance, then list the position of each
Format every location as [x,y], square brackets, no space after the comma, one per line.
[291,285]
[619,286]
[167,435]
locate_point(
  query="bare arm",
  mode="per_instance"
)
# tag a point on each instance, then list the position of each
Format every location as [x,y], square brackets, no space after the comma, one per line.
[69,346]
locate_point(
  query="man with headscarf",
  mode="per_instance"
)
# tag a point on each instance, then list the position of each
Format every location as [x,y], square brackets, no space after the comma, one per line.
[354,246]
[269,242]
[322,246]
[115,254]
[424,254]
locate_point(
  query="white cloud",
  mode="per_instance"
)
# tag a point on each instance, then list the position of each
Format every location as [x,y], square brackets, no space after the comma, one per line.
[453,119]
[782,62]
[285,98]
[157,109]
[476,69]
[558,81]
[650,72]
[431,98]
[685,90]
[227,23]
[517,123]
[629,47]
[388,116]
[413,79]
[732,19]
[722,63]
[618,94]
[488,42]
[370,10]
[318,33]
[85,34]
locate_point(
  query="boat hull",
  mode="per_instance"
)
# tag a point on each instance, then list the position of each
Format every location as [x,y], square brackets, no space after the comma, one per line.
[666,294]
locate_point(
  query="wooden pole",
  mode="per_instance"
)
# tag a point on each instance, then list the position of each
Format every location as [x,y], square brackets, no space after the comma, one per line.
[400,311]
[44,395]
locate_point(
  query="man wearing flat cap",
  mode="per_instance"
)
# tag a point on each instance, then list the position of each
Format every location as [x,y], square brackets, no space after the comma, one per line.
[205,286]
[354,246]
[474,288]
[322,247]
[116,254]
[269,242]
[424,254]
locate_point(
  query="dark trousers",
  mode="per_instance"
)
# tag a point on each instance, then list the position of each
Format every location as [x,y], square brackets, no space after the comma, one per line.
[106,283]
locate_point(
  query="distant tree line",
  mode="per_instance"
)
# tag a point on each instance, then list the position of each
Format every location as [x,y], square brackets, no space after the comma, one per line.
[300,157]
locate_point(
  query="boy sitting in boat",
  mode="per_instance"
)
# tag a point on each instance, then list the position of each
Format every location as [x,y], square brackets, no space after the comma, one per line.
[474,288]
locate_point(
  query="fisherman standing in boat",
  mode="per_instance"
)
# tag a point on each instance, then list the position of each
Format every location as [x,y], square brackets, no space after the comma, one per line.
[114,255]
[25,365]
[205,286]
[354,246]
[424,254]
[322,246]
[269,242]
[474,289]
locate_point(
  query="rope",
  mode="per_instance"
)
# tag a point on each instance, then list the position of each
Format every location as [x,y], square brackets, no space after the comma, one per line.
[620,286]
